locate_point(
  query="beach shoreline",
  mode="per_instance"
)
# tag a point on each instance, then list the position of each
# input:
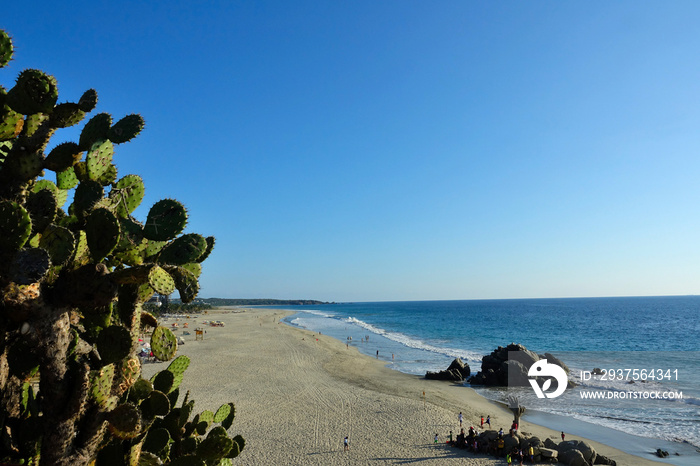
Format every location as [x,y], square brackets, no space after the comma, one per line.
[298,393]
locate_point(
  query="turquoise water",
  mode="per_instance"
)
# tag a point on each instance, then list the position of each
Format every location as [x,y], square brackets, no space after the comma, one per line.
[610,333]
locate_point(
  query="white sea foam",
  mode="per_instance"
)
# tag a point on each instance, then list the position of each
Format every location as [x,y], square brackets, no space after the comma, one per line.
[469,356]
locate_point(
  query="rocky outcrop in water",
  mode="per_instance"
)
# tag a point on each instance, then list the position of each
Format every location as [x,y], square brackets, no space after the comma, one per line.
[457,372]
[508,366]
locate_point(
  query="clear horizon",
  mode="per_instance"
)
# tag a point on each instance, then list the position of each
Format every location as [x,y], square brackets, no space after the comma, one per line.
[399,151]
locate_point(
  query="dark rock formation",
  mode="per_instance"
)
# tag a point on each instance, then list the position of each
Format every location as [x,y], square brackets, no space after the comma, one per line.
[457,372]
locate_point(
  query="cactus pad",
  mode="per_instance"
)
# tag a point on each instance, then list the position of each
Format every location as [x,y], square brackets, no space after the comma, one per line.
[157,440]
[101,384]
[178,367]
[66,179]
[102,229]
[124,421]
[185,282]
[88,101]
[5,48]
[166,219]
[59,242]
[161,281]
[187,248]
[11,122]
[163,344]
[99,159]
[128,193]
[95,130]
[226,423]
[140,390]
[15,225]
[42,209]
[210,246]
[34,92]
[114,344]
[222,413]
[238,446]
[214,447]
[156,404]
[147,320]
[87,194]
[126,129]
[63,156]
[130,370]
[66,115]
[193,267]
[163,381]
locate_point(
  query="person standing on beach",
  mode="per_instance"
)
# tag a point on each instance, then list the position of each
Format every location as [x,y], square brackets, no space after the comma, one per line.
[436,438]
[346,444]
[488,420]
[562,436]
[460,417]
[482,422]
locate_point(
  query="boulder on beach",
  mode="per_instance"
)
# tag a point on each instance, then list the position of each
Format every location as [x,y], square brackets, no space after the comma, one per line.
[585,448]
[600,459]
[456,372]
[572,457]
[505,366]
[548,453]
[510,442]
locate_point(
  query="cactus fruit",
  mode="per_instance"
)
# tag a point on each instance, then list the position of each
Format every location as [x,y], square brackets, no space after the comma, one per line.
[34,92]
[166,219]
[126,129]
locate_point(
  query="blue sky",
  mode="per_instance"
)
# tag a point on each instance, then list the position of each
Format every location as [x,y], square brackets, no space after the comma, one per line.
[398,150]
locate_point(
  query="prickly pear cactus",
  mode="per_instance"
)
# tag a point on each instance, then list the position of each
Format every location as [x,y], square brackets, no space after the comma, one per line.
[73,278]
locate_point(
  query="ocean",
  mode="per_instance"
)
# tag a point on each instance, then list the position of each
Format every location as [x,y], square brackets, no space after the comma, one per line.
[646,347]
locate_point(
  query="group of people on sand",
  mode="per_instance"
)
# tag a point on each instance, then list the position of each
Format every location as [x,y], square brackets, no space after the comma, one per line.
[496,447]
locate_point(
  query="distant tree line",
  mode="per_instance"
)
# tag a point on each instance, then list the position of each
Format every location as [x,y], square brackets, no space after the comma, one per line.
[260,302]
[176,308]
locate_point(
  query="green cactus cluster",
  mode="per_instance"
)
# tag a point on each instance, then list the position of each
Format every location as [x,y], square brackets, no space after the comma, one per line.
[73,278]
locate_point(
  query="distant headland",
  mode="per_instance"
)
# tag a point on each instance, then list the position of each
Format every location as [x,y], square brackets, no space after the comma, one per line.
[259,302]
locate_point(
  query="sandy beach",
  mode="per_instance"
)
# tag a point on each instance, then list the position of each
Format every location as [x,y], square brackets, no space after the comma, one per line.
[298,394]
